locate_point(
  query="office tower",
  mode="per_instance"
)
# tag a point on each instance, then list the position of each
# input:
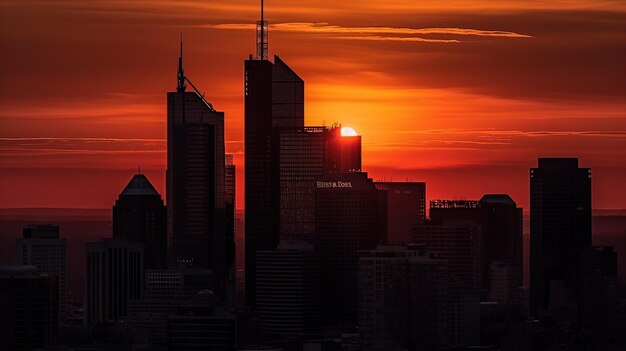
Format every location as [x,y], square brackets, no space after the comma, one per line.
[288,290]
[196,179]
[403,298]
[274,98]
[230,184]
[501,270]
[458,242]
[350,215]
[41,246]
[501,252]
[560,227]
[200,324]
[28,302]
[344,150]
[598,290]
[406,208]
[139,216]
[302,158]
[114,275]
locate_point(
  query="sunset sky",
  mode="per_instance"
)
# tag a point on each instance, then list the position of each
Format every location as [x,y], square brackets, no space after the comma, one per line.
[464,95]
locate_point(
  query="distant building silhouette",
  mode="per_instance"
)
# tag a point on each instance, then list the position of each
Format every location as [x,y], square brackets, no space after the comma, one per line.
[350,215]
[501,222]
[406,208]
[403,298]
[139,216]
[274,98]
[41,246]
[28,301]
[344,151]
[288,291]
[114,276]
[560,228]
[458,242]
[196,180]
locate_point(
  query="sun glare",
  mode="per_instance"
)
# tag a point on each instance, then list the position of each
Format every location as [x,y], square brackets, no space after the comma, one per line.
[347,131]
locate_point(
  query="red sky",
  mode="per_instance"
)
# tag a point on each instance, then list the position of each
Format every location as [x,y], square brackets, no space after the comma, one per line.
[464,95]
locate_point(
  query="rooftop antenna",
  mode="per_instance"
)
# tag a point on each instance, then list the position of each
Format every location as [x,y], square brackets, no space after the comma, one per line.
[181,73]
[261,37]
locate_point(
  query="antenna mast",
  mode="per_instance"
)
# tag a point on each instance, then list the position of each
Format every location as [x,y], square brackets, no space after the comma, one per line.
[181,73]
[261,37]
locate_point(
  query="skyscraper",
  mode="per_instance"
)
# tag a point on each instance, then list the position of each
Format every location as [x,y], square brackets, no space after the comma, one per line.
[406,208]
[114,276]
[195,179]
[230,183]
[458,242]
[560,227]
[42,247]
[140,216]
[274,98]
[350,215]
[501,252]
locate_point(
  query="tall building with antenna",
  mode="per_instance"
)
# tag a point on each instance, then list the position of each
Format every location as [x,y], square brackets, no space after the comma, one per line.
[274,98]
[195,179]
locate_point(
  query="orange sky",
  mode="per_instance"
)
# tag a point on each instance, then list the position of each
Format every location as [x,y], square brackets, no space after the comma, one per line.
[462,94]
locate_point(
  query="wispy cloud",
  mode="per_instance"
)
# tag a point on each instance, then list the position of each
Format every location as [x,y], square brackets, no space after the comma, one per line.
[377,33]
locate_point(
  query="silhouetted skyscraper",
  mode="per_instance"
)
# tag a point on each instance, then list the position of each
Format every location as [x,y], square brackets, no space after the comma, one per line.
[344,151]
[599,290]
[139,216]
[560,226]
[274,98]
[114,275]
[406,208]
[41,246]
[458,242]
[28,305]
[230,183]
[350,215]
[195,179]
[501,252]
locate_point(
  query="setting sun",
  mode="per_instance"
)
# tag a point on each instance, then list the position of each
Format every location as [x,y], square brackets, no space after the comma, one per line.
[347,131]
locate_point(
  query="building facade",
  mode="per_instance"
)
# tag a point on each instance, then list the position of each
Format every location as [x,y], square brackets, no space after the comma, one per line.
[140,216]
[560,227]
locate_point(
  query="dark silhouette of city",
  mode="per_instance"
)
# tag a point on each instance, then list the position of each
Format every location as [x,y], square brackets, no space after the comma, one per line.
[332,259]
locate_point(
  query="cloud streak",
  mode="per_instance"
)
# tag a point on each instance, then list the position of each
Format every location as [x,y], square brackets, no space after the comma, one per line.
[377,33]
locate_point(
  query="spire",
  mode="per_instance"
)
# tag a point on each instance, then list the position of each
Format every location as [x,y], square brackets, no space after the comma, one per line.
[181,73]
[261,36]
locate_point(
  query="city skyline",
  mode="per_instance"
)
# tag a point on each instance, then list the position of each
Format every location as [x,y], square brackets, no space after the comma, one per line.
[525,90]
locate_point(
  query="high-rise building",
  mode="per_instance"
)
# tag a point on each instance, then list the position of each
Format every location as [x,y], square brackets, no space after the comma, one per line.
[302,158]
[41,246]
[28,302]
[196,179]
[288,290]
[350,215]
[406,208]
[344,150]
[560,227]
[114,276]
[501,252]
[457,242]
[139,216]
[403,298]
[274,98]
[230,206]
